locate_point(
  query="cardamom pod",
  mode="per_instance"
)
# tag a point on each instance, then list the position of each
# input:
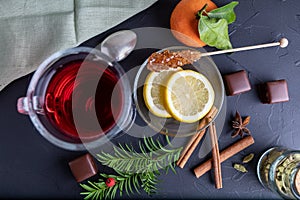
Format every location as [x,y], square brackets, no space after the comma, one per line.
[240,168]
[248,158]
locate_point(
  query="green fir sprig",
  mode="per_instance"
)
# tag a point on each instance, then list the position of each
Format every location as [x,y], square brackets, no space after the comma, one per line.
[151,157]
[135,169]
[124,182]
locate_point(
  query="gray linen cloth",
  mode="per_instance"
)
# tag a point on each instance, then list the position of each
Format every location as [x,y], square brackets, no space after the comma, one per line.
[31,30]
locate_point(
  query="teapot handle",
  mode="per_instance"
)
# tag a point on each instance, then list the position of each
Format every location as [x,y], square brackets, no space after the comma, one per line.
[23,105]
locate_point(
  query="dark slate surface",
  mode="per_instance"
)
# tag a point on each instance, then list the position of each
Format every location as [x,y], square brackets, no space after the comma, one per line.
[32,167]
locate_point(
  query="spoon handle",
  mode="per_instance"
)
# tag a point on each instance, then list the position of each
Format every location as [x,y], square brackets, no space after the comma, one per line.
[282,43]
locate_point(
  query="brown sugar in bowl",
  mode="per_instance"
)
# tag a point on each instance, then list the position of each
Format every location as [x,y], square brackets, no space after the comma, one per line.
[183,22]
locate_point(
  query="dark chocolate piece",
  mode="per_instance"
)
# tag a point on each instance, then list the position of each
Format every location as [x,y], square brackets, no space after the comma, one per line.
[237,83]
[274,92]
[83,167]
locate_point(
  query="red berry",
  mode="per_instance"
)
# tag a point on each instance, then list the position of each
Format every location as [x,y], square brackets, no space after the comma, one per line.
[110,182]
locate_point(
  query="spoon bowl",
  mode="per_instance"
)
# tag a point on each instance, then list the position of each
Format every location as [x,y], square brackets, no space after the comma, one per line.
[119,44]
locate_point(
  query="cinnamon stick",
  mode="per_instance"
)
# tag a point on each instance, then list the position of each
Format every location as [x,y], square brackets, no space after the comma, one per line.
[215,156]
[208,117]
[225,154]
[194,141]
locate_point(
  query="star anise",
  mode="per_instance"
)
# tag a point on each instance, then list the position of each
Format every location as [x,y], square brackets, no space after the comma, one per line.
[240,125]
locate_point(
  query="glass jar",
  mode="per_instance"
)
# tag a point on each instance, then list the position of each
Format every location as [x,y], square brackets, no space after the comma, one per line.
[279,170]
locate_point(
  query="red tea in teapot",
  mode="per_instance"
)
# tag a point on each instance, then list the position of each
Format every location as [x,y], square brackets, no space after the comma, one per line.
[83,99]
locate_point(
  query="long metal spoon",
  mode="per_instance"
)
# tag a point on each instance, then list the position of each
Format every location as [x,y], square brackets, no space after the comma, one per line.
[119,44]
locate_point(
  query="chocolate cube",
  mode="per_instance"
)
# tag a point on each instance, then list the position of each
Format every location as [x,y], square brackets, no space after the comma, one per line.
[83,167]
[274,92]
[236,83]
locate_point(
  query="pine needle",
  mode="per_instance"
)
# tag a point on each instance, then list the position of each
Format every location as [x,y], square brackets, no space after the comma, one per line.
[134,169]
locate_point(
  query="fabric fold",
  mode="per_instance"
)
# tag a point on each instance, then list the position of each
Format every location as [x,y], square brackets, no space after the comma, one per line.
[32,30]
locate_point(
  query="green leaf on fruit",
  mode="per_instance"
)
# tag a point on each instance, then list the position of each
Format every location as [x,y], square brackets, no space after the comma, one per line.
[214,32]
[224,12]
[213,26]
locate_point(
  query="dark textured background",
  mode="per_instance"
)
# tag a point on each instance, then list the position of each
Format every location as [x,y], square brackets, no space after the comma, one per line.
[32,167]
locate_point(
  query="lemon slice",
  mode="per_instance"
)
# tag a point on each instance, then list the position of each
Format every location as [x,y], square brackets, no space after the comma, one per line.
[189,96]
[154,89]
